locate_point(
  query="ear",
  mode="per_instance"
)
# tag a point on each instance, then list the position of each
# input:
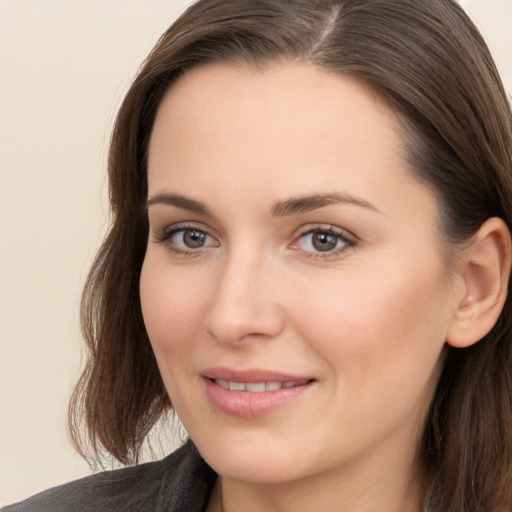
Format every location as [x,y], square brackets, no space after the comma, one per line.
[485,273]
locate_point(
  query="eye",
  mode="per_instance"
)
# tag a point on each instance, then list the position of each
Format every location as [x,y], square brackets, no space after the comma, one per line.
[190,238]
[186,240]
[320,241]
[323,241]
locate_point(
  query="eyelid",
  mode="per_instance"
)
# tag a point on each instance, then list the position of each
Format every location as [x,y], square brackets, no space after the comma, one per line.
[322,226]
[160,235]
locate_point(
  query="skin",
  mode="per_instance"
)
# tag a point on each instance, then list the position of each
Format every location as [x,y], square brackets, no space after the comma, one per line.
[367,320]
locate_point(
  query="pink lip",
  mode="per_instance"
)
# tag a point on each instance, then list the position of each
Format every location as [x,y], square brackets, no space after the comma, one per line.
[246,404]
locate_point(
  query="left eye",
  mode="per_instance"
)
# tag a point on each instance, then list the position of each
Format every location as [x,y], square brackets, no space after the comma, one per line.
[322,241]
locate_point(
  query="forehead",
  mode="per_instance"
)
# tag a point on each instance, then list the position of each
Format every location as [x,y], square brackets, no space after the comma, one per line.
[282,92]
[285,131]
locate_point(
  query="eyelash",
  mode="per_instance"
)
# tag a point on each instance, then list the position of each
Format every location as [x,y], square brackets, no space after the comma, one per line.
[340,235]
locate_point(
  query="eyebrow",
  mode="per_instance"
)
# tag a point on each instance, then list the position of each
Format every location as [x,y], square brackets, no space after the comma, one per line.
[309,203]
[179,201]
[290,206]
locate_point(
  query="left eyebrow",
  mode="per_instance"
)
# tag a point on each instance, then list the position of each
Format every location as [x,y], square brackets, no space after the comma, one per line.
[309,203]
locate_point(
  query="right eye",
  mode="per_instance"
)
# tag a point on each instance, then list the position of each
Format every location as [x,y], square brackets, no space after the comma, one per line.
[190,238]
[187,240]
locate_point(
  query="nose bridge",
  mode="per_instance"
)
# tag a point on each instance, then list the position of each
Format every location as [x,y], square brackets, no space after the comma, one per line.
[244,304]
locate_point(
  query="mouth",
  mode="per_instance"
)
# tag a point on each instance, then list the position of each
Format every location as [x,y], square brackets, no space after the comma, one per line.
[259,387]
[253,393]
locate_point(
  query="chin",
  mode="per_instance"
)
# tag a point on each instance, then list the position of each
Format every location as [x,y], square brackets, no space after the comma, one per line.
[255,470]
[252,457]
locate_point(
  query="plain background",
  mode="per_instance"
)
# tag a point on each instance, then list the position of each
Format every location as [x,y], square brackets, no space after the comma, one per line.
[64,67]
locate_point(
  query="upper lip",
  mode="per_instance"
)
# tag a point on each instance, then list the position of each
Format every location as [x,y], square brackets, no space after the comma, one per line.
[251,375]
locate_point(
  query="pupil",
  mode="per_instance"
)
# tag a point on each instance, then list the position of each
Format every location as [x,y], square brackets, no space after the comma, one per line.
[193,239]
[324,242]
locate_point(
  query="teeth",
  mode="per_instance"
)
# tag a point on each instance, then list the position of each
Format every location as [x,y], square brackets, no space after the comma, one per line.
[272,386]
[236,386]
[257,387]
[222,383]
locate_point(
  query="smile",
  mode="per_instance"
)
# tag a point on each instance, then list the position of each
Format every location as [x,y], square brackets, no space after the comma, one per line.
[253,393]
[258,387]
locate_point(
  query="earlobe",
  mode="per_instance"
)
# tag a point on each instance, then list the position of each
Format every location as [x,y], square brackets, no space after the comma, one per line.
[485,272]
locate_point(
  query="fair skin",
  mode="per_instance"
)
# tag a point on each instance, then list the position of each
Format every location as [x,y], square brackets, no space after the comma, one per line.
[289,242]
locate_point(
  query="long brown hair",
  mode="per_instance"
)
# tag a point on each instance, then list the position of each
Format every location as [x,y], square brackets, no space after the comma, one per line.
[428,61]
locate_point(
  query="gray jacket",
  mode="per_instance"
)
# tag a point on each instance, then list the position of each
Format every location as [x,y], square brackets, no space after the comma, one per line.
[182,482]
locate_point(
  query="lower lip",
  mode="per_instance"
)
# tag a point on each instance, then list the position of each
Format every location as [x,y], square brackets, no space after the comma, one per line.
[246,404]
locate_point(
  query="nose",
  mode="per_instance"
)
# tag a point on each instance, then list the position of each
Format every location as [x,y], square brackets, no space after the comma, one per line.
[245,303]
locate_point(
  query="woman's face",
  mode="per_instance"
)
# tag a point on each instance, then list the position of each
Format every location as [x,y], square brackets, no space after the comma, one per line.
[294,289]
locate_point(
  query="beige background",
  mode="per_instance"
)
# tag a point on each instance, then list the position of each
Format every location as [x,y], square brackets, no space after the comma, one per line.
[64,66]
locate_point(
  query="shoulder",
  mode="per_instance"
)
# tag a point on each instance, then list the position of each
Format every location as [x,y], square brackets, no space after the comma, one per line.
[179,481]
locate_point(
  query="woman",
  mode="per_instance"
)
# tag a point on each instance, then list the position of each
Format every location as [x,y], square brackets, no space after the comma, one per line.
[308,262]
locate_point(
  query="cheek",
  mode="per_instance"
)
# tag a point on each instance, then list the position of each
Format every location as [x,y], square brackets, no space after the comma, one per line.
[172,308]
[380,338]
[387,322]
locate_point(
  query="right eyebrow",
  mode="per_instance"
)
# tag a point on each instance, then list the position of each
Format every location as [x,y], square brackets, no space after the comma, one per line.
[178,201]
